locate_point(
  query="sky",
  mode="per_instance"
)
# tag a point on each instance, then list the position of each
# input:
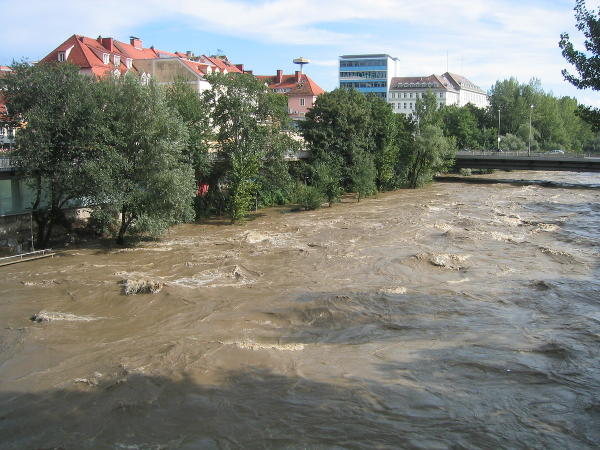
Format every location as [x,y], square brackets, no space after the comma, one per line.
[484,40]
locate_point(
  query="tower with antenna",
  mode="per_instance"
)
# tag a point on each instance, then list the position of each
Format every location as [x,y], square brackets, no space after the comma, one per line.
[301,62]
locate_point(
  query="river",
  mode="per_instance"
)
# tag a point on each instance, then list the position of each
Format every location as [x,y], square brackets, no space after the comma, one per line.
[461,315]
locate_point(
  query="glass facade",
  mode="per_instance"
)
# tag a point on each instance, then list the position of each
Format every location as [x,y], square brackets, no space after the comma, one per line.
[369,74]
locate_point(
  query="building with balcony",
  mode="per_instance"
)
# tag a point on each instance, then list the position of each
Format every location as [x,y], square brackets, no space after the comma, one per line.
[370,73]
[448,89]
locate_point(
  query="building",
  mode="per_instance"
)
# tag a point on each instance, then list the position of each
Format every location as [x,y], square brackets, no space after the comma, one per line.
[105,55]
[448,89]
[300,89]
[368,73]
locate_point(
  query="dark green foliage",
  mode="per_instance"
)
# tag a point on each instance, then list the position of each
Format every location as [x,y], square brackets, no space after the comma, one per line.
[328,178]
[554,121]
[426,111]
[587,63]
[143,180]
[462,124]
[362,174]
[308,197]
[345,126]
[249,120]
[511,142]
[63,126]
[432,153]
[195,114]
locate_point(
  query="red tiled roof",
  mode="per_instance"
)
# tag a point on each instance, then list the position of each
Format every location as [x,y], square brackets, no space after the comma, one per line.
[88,54]
[223,64]
[306,86]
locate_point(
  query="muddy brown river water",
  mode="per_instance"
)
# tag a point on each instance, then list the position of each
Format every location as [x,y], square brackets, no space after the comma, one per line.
[461,315]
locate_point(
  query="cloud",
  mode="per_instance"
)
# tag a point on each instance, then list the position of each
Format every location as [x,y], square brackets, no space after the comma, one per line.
[485,39]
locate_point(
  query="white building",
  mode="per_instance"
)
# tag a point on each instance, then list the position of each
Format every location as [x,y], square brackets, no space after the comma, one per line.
[448,89]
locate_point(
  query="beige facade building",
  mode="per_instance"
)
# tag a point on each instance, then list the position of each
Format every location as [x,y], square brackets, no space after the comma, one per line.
[448,89]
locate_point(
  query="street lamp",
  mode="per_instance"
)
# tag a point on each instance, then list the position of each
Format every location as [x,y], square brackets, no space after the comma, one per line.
[498,129]
[529,148]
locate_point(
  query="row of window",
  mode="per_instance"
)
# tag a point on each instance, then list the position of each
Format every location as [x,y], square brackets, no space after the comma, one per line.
[410,94]
[364,62]
[362,84]
[409,105]
[366,74]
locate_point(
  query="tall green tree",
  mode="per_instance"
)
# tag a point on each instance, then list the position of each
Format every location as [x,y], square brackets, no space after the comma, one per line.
[249,121]
[362,174]
[426,109]
[461,123]
[432,153]
[586,63]
[195,114]
[144,181]
[63,125]
[339,124]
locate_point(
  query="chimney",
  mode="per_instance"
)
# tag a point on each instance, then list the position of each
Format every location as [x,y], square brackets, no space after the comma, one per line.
[298,76]
[240,66]
[279,77]
[107,43]
[135,42]
[189,54]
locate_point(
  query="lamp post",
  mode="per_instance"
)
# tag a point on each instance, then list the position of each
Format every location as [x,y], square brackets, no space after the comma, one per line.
[529,148]
[498,129]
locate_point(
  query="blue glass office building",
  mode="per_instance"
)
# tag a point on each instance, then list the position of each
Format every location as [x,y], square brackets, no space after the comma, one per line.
[368,73]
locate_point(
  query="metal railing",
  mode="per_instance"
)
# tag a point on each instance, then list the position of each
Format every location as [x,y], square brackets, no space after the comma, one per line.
[26,256]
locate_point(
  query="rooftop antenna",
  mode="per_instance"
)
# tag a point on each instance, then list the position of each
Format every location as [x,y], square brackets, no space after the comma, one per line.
[301,62]
[447,70]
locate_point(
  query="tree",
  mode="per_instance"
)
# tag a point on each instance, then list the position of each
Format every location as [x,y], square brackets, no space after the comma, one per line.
[432,153]
[362,174]
[389,132]
[195,114]
[144,182]
[339,124]
[462,124]
[587,64]
[425,110]
[249,119]
[511,142]
[328,178]
[63,125]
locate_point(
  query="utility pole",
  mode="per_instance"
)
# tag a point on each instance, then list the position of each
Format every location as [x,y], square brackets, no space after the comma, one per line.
[498,128]
[529,148]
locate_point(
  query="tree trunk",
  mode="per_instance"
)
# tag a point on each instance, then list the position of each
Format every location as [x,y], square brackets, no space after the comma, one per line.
[123,228]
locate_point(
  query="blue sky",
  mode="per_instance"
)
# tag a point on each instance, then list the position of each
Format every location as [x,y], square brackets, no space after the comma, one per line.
[484,40]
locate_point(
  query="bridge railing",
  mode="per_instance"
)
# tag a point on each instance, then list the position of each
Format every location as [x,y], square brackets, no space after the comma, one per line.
[523,153]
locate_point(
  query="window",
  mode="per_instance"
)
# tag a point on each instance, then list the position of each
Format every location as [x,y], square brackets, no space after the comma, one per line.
[61,56]
[405,106]
[302,102]
[105,58]
[117,60]
[129,61]
[1,131]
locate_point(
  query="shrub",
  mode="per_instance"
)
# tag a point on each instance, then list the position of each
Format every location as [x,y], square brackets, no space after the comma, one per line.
[308,197]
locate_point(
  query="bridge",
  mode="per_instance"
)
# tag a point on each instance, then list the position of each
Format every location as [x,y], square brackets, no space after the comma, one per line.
[523,161]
